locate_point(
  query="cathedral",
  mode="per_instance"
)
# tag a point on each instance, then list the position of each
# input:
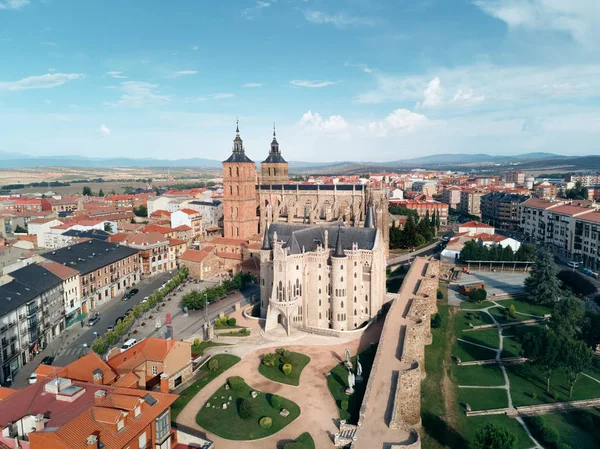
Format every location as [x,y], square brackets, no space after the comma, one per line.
[323,257]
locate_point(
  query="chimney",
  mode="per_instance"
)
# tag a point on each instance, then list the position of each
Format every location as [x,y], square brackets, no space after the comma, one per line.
[39,423]
[91,442]
[98,377]
[164,383]
[99,396]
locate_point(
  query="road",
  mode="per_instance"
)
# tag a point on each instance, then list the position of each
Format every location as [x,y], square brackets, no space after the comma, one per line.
[434,248]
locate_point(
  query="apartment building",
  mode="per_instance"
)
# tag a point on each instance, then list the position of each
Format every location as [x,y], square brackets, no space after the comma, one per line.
[211,211]
[423,207]
[153,251]
[105,269]
[586,179]
[451,196]
[188,217]
[518,177]
[569,229]
[470,201]
[501,209]
[70,288]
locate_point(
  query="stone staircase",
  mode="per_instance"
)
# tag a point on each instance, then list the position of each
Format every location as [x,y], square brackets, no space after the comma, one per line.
[346,435]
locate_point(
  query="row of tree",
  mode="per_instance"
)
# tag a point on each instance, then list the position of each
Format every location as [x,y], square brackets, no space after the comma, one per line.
[87,191]
[475,251]
[415,232]
[102,343]
[197,299]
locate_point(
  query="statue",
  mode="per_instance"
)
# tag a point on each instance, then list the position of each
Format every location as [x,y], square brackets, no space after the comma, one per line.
[348,363]
[359,377]
[351,383]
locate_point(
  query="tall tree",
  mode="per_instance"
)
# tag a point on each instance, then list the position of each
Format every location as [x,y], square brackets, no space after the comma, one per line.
[543,349]
[101,193]
[494,436]
[590,331]
[567,316]
[577,357]
[410,234]
[542,285]
[87,191]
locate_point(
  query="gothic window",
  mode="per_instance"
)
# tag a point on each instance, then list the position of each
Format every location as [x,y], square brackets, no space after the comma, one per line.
[355,288]
[342,267]
[366,310]
[336,292]
[354,263]
[319,291]
[342,304]
[319,302]
[269,171]
[231,190]
[355,300]
[297,267]
[319,315]
[319,267]
[237,171]
[354,275]
[238,189]
[366,297]
[275,171]
[342,279]
[354,312]
[230,173]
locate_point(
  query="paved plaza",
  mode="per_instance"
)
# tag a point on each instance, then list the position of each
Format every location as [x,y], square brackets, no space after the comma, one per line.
[496,283]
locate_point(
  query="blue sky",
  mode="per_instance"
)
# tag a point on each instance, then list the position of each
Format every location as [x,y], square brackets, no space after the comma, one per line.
[366,80]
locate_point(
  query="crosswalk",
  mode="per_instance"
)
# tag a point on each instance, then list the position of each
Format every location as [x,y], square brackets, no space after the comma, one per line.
[74,351]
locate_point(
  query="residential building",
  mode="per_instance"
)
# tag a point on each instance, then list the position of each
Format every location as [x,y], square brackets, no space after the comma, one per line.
[424,207]
[211,211]
[586,179]
[470,202]
[397,194]
[153,251]
[201,264]
[475,227]
[518,177]
[501,209]
[105,269]
[451,196]
[64,204]
[70,287]
[321,277]
[188,217]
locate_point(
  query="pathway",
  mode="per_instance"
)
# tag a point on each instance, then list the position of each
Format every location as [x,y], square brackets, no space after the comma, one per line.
[319,414]
[506,385]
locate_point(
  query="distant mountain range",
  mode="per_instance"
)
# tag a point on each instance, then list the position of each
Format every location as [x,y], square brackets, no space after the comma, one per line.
[14,160]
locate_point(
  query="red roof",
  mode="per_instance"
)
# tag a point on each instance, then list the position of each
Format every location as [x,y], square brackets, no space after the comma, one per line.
[182,228]
[156,228]
[189,211]
[228,241]
[233,256]
[193,255]
[475,224]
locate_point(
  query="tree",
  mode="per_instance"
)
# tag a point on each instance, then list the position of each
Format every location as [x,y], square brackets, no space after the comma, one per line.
[275,401]
[141,211]
[20,230]
[577,357]
[99,345]
[247,409]
[567,316]
[107,226]
[101,193]
[543,349]
[213,364]
[590,331]
[478,295]
[270,359]
[526,252]
[494,436]
[542,285]
[87,191]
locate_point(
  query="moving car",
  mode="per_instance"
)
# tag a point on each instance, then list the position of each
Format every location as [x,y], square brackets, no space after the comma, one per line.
[32,379]
[133,291]
[48,360]
[94,318]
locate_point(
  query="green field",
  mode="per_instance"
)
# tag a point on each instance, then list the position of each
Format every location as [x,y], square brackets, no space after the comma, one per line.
[482,399]
[469,319]
[228,423]
[204,345]
[275,373]
[578,429]
[467,352]
[482,375]
[485,337]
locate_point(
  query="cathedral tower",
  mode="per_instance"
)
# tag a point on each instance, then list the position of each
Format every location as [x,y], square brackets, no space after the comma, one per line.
[274,169]
[239,185]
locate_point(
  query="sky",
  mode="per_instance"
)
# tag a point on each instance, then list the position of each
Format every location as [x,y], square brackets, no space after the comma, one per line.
[360,80]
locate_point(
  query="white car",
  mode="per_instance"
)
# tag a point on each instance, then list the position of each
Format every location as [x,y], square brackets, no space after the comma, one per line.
[32,379]
[145,299]
[573,264]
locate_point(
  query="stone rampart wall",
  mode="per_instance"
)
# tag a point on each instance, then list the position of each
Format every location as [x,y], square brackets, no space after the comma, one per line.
[414,343]
[406,413]
[413,443]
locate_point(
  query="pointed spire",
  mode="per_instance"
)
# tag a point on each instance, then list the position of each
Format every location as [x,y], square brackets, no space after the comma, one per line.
[339,244]
[237,125]
[274,130]
[370,218]
[266,245]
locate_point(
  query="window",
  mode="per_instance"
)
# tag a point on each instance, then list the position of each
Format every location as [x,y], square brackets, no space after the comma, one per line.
[137,411]
[120,425]
[154,370]
[162,426]
[142,440]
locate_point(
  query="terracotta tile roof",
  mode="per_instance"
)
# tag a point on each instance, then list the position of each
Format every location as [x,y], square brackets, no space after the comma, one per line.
[213,229]
[62,271]
[594,217]
[159,213]
[475,224]
[107,415]
[182,228]
[538,203]
[193,255]
[490,238]
[176,242]
[232,256]
[571,210]
[119,237]
[129,380]
[123,402]
[156,228]
[146,239]
[83,369]
[189,211]
[227,241]
[6,392]
[154,349]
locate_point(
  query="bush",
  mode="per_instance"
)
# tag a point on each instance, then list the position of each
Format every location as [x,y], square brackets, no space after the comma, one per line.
[247,409]
[213,364]
[265,422]
[550,435]
[197,342]
[534,395]
[231,322]
[436,321]
[275,401]
[478,295]
[287,369]
[512,311]
[440,295]
[269,359]
[280,351]
[344,405]
[236,382]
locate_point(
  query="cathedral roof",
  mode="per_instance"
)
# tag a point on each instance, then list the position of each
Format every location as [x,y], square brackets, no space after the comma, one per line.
[275,158]
[297,237]
[238,157]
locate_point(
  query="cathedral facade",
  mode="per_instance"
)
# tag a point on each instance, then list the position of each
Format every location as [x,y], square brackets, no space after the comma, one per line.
[321,276]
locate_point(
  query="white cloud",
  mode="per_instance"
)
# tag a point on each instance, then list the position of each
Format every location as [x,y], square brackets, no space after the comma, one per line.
[262,4]
[13,4]
[219,96]
[250,85]
[433,94]
[40,82]
[308,83]
[50,44]
[362,67]
[578,18]
[334,124]
[104,129]
[184,73]
[115,74]
[339,20]
[138,94]
[466,97]
[401,120]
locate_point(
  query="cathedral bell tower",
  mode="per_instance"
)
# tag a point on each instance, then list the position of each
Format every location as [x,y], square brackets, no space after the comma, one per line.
[239,185]
[274,169]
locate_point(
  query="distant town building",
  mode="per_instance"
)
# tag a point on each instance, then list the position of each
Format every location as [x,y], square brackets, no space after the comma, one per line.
[501,209]
[518,177]
[470,201]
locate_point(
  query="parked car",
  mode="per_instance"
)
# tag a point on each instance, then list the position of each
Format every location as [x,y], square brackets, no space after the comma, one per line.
[121,318]
[110,328]
[48,360]
[145,299]
[125,297]
[133,291]
[573,264]
[32,379]
[94,318]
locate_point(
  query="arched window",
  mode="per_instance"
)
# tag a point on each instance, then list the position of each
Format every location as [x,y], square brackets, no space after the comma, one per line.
[355,288]
[354,312]
[275,171]
[342,304]
[354,263]
[238,189]
[230,171]
[319,267]
[269,171]
[319,302]
[231,190]
[342,267]
[319,291]
[342,278]
[319,315]
[366,297]
[319,277]
[354,275]
[297,267]
[237,171]
[355,300]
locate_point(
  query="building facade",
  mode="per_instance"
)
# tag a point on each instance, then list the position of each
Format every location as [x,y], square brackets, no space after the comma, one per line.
[321,277]
[274,169]
[470,202]
[501,210]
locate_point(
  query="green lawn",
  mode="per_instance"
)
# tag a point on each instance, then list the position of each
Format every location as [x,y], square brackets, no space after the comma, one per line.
[337,383]
[472,424]
[199,349]
[274,373]
[514,336]
[482,399]
[464,320]
[511,347]
[226,361]
[467,305]
[228,424]
[485,337]
[306,441]
[527,381]
[482,375]
[523,306]
[467,353]
[579,429]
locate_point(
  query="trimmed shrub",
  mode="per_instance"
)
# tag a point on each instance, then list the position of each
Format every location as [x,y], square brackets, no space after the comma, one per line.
[275,401]
[280,351]
[436,321]
[440,295]
[478,295]
[344,405]
[213,364]
[270,359]
[236,382]
[247,409]
[231,321]
[287,369]
[197,342]
[512,311]
[265,422]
